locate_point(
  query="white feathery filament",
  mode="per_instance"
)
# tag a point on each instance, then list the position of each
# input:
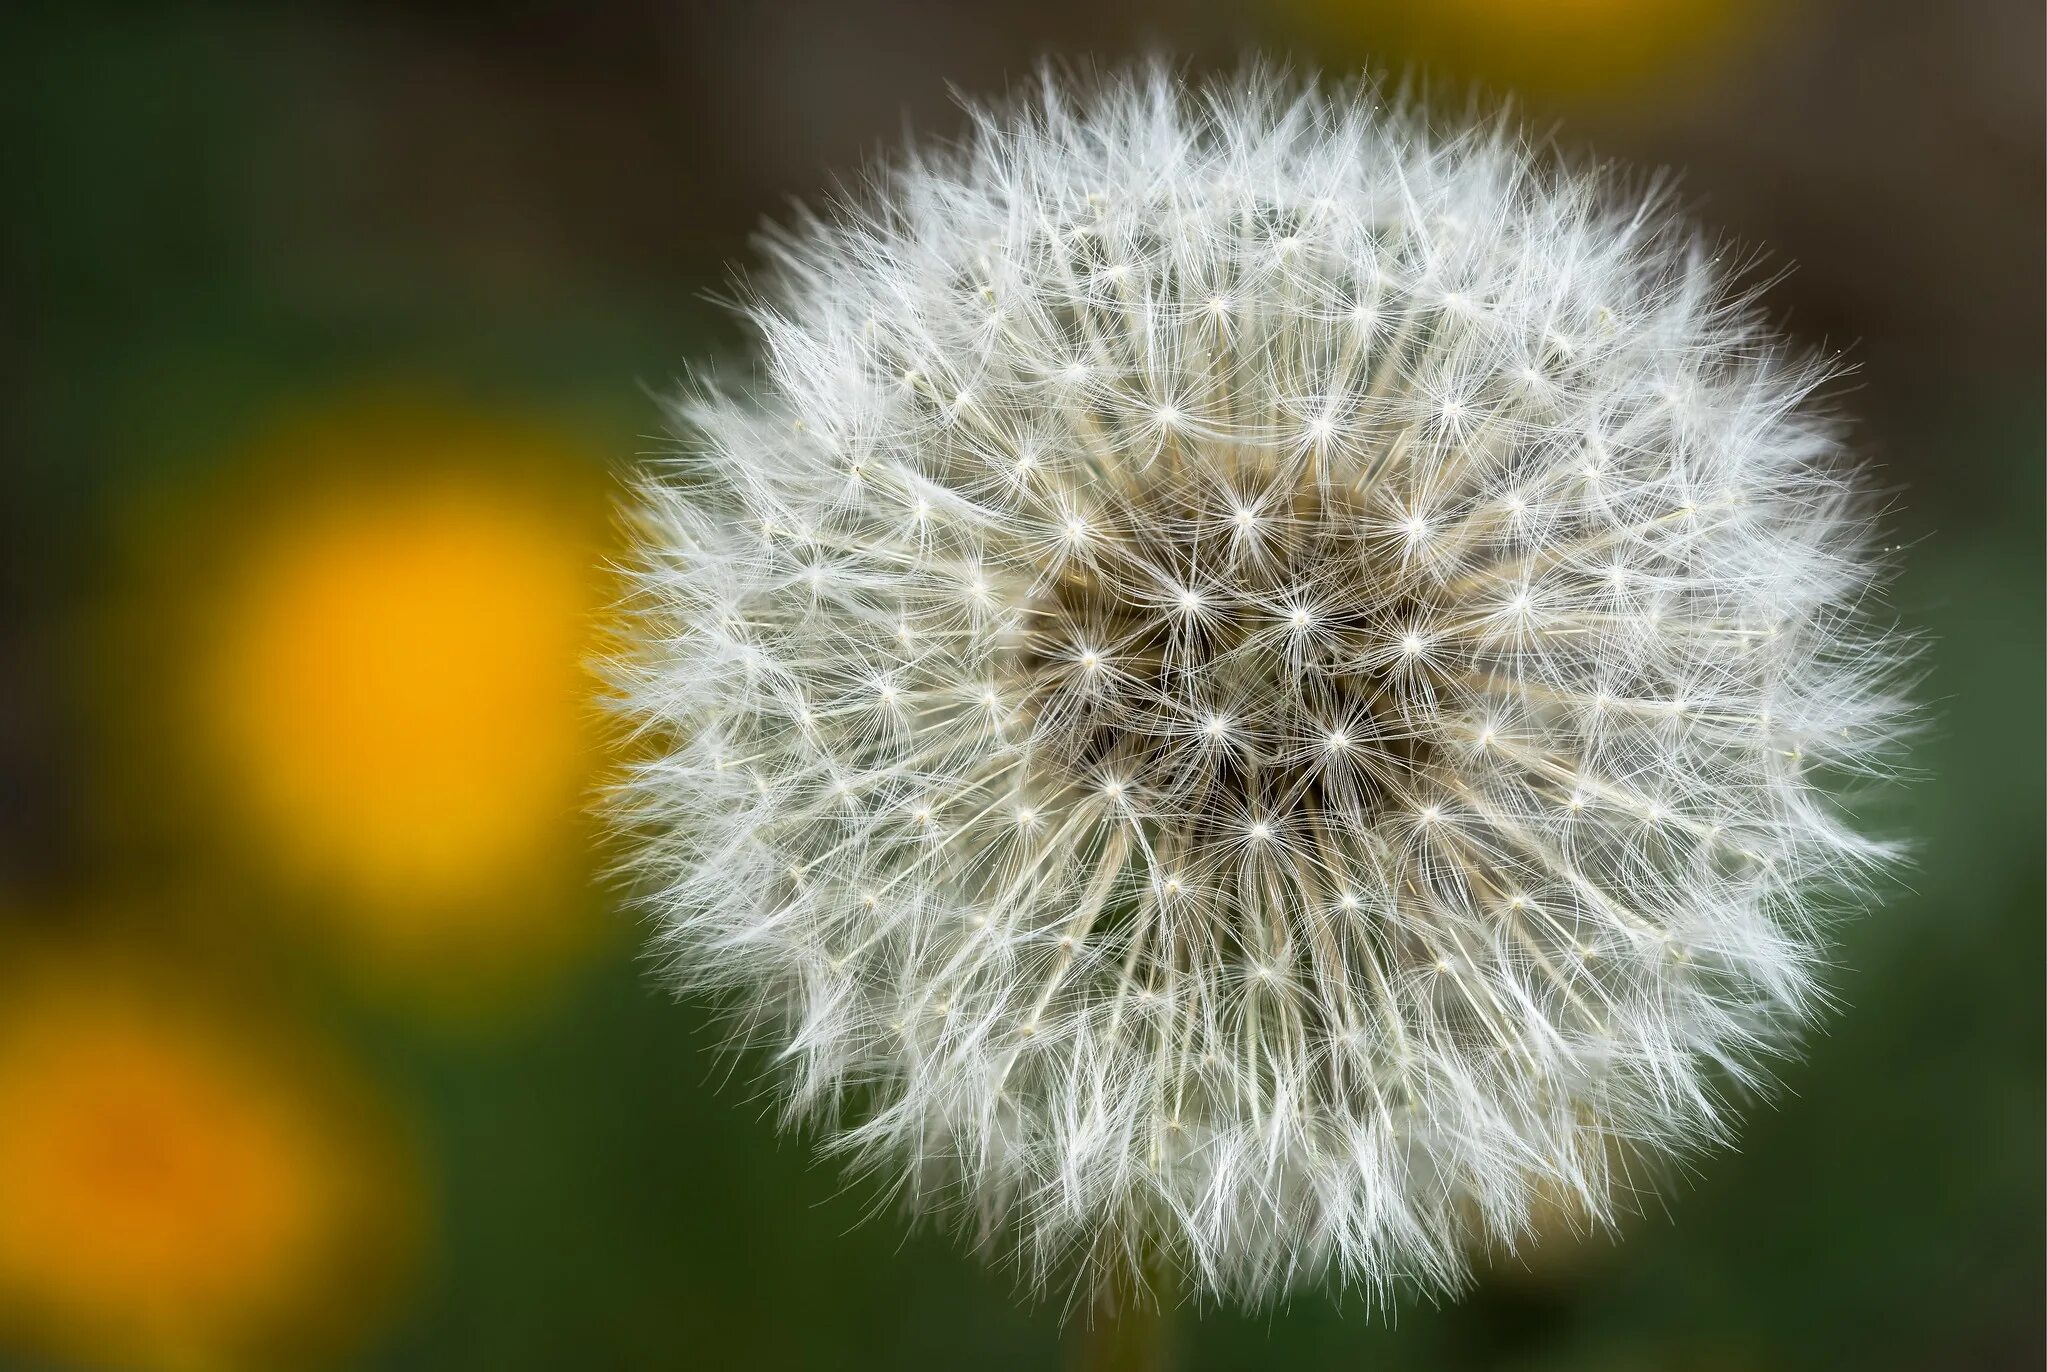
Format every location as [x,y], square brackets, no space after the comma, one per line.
[1248,687]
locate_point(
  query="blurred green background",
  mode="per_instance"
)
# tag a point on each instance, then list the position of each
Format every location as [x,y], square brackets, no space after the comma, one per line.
[323,1042]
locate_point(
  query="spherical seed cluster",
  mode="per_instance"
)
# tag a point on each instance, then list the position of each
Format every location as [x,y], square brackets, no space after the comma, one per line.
[1247,687]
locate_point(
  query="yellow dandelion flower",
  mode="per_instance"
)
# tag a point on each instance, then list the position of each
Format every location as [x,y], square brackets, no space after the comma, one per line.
[391,691]
[1573,49]
[176,1190]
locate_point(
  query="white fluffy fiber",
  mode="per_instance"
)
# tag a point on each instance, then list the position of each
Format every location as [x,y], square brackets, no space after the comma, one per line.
[1245,689]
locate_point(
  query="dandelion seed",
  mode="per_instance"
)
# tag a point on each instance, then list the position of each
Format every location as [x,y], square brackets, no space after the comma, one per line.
[1280,932]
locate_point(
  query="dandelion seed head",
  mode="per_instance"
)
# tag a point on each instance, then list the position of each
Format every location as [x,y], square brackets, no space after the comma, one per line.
[1352,615]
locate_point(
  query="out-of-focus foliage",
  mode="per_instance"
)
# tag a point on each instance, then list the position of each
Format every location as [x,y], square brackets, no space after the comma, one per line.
[333,327]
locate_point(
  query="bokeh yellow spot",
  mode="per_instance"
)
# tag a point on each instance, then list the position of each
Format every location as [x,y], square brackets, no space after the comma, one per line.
[1543,48]
[394,696]
[397,691]
[175,1191]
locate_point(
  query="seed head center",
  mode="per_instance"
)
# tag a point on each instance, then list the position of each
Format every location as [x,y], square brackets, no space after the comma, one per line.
[1229,677]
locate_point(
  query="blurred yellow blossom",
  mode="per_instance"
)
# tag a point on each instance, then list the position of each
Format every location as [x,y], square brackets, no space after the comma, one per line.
[389,691]
[1543,48]
[180,1188]
[395,689]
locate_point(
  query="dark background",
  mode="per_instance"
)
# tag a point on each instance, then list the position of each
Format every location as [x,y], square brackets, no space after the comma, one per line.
[265,264]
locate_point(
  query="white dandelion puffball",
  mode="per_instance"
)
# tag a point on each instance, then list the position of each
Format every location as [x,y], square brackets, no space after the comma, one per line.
[1249,687]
